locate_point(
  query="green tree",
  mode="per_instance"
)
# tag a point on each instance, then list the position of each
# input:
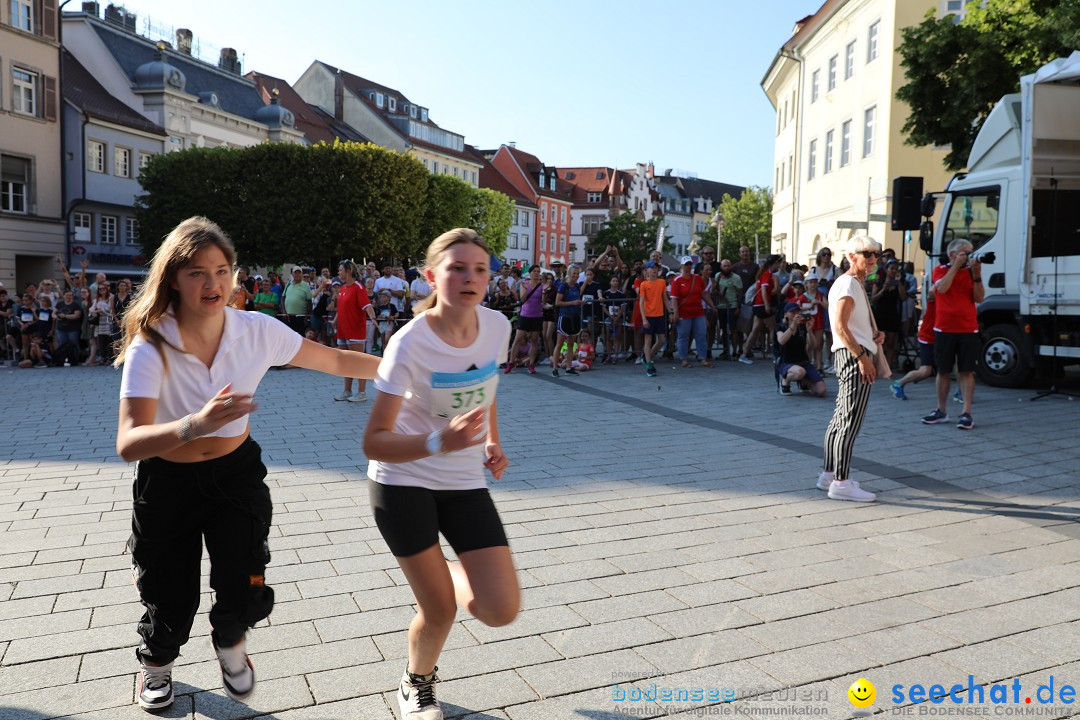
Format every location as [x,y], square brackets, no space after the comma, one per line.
[290,203]
[493,216]
[635,238]
[746,220]
[450,203]
[956,72]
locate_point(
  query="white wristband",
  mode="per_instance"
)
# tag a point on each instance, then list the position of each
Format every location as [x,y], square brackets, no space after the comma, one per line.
[433,443]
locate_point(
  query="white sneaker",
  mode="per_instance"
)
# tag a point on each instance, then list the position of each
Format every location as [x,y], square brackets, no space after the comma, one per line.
[745,360]
[416,697]
[639,361]
[358,397]
[237,672]
[849,490]
[155,687]
[343,396]
[824,480]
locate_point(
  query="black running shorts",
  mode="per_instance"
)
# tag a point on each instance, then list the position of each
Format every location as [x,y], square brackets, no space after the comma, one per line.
[411,518]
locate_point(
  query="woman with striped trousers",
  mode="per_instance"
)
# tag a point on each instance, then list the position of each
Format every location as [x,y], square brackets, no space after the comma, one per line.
[854,345]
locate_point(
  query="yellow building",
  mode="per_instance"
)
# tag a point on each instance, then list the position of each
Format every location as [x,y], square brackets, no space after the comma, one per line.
[838,126]
[31,213]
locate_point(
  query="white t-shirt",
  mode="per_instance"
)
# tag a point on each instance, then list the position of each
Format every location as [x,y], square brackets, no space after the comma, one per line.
[418,290]
[251,344]
[847,285]
[392,283]
[437,382]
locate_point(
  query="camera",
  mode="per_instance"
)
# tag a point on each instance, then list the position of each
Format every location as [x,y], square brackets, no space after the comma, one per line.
[986,258]
[806,316]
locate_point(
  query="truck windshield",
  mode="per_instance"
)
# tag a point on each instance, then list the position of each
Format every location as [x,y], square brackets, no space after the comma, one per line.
[973,217]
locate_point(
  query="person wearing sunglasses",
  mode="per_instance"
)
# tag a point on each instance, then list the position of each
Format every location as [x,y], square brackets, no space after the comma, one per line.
[855,340]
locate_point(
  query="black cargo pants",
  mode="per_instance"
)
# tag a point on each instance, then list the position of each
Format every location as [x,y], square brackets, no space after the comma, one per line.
[177,506]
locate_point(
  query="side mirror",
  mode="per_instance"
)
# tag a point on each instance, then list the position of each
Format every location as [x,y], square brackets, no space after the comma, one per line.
[926,233]
[928,205]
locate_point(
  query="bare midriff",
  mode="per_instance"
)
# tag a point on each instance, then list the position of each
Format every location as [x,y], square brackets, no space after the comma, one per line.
[205,448]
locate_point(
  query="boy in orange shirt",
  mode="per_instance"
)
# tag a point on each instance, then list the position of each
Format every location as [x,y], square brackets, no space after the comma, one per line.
[655,308]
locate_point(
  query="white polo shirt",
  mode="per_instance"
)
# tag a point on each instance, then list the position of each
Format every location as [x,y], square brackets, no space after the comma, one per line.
[251,344]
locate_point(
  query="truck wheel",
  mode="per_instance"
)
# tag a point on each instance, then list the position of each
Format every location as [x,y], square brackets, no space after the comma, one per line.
[1002,362]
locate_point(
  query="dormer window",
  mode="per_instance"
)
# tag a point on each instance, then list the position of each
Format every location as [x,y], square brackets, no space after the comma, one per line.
[391,104]
[412,111]
[599,174]
[541,179]
[379,100]
[594,197]
[423,114]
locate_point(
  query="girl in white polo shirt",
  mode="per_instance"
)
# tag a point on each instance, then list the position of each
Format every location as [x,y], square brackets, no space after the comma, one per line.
[432,431]
[191,368]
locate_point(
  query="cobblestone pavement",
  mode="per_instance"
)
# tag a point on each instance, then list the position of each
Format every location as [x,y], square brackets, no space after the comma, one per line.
[667,531]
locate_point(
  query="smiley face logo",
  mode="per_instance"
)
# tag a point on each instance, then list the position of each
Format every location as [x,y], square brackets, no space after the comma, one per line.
[862,693]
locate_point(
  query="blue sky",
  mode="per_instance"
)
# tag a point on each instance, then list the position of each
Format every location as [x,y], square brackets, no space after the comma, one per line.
[583,82]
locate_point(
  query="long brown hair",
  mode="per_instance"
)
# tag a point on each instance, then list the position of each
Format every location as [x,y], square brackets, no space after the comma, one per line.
[157,294]
[438,248]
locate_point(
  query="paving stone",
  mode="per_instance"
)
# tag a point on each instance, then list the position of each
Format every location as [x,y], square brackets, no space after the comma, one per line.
[696,651]
[804,665]
[590,671]
[895,644]
[528,622]
[606,636]
[626,606]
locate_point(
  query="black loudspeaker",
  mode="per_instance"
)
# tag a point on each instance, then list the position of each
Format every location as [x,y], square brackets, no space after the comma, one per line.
[906,203]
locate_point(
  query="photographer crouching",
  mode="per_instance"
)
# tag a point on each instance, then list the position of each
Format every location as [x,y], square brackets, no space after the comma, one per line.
[794,363]
[958,289]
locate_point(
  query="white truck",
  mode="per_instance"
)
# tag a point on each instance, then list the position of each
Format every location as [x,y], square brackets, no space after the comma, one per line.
[1020,201]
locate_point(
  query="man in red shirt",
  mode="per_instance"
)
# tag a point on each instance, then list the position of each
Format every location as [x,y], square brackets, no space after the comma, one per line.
[688,294]
[353,311]
[958,289]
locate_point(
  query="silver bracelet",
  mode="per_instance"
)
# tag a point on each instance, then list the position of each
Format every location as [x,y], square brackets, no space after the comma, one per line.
[189,429]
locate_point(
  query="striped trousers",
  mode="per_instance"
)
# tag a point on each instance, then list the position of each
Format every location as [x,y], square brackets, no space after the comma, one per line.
[852,397]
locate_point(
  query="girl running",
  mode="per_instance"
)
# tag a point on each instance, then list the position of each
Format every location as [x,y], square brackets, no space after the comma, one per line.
[191,368]
[432,431]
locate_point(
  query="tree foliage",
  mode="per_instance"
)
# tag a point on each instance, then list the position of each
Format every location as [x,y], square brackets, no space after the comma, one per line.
[746,220]
[283,203]
[635,238]
[493,216]
[956,72]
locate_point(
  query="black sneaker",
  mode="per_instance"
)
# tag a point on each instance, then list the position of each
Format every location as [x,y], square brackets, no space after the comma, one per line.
[554,372]
[785,390]
[965,423]
[650,370]
[935,417]
[155,687]
[416,697]
[571,371]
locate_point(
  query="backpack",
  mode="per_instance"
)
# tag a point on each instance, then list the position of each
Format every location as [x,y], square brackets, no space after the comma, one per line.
[750,293]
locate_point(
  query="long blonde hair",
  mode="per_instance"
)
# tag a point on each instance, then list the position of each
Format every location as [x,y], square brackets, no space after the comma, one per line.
[438,248]
[157,294]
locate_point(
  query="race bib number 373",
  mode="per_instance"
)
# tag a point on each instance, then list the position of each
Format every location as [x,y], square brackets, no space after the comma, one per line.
[456,393]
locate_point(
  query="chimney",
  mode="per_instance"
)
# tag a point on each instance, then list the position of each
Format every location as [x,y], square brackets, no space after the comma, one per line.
[129,21]
[339,96]
[229,61]
[512,143]
[183,41]
[91,8]
[114,14]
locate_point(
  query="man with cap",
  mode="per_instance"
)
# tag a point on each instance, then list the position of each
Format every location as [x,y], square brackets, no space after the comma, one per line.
[297,300]
[688,295]
[559,269]
[794,364]
[396,285]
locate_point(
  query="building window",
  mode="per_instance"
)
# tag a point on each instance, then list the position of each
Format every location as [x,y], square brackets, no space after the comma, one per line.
[22,15]
[95,156]
[525,218]
[423,114]
[562,244]
[562,215]
[435,166]
[832,72]
[82,222]
[868,132]
[131,231]
[108,230]
[543,241]
[543,208]
[473,177]
[14,180]
[412,111]
[144,159]
[594,197]
[828,152]
[845,143]
[872,41]
[121,162]
[811,160]
[776,183]
[524,242]
[379,100]
[815,77]
[790,169]
[455,170]
[849,60]
[512,241]
[24,87]
[391,104]
[784,113]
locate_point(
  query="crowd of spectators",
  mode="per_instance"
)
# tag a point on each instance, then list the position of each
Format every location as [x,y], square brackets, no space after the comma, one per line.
[569,318]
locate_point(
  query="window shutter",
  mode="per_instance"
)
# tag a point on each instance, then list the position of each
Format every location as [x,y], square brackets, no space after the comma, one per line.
[50,98]
[48,24]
